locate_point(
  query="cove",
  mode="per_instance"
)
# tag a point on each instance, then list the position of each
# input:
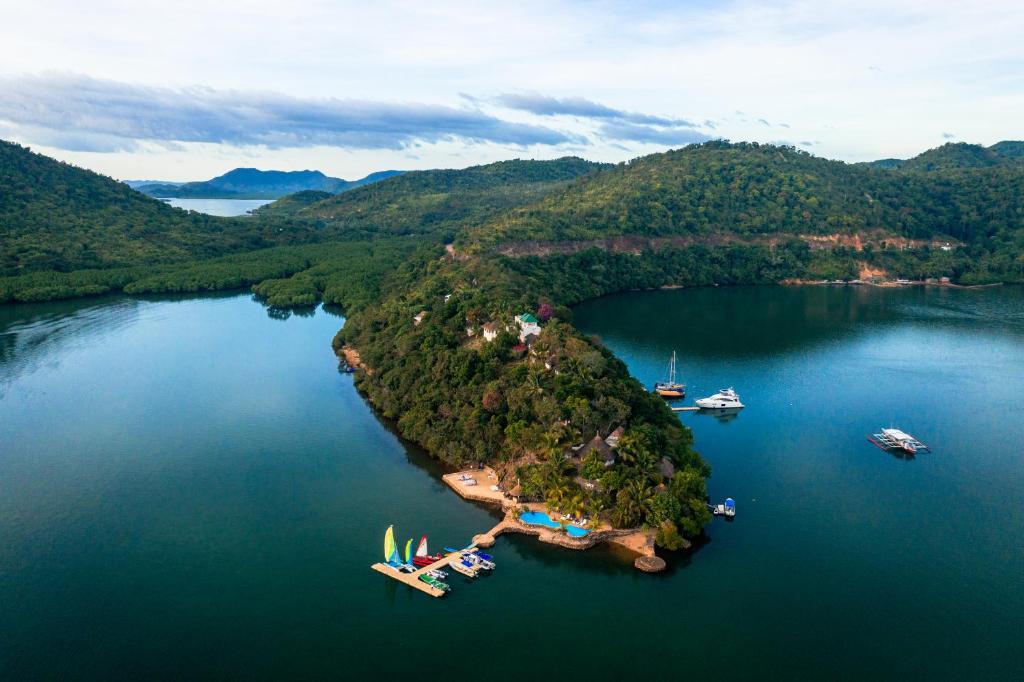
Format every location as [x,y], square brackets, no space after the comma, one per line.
[190,489]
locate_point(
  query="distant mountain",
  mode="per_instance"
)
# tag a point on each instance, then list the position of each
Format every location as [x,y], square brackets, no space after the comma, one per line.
[252,183]
[958,156]
[135,184]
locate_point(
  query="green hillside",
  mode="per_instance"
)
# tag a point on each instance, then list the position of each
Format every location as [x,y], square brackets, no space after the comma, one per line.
[958,156]
[445,201]
[955,156]
[752,190]
[291,204]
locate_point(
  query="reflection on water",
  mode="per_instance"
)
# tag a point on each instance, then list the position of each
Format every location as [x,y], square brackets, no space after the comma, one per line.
[199,460]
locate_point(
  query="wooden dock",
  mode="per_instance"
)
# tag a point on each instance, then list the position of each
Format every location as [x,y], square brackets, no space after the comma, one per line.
[685,409]
[413,579]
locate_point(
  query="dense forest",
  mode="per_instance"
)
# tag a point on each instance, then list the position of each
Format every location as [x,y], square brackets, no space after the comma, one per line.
[422,261]
[749,189]
[443,202]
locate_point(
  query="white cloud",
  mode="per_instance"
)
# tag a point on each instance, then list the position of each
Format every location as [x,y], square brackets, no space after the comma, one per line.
[864,79]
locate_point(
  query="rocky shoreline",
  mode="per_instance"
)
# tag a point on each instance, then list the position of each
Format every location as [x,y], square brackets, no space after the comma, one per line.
[636,540]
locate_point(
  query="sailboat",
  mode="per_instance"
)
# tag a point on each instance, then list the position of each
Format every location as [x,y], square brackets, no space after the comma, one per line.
[423,557]
[390,548]
[671,389]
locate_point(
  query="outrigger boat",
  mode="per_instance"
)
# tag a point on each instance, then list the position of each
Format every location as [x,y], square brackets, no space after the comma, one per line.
[895,439]
[423,558]
[671,389]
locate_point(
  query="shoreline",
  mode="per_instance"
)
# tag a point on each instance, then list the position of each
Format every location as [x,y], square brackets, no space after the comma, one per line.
[637,540]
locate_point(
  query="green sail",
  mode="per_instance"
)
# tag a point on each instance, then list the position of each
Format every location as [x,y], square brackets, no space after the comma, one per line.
[390,550]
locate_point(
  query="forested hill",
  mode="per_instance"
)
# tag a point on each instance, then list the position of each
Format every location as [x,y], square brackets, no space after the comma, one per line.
[752,190]
[259,184]
[445,201]
[55,216]
[959,156]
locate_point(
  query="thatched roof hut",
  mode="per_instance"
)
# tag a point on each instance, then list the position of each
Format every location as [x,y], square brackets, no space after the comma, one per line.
[598,445]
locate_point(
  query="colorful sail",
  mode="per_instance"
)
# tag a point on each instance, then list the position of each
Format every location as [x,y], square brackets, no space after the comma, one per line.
[408,551]
[390,550]
[422,549]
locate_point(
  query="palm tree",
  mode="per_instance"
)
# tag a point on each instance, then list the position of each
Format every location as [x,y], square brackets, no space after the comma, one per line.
[574,506]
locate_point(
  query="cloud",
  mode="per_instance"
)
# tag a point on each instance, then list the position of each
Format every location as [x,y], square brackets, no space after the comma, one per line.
[651,135]
[948,136]
[764,122]
[614,124]
[543,105]
[76,112]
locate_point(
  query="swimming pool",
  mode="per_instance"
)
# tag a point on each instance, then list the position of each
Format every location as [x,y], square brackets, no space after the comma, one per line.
[541,519]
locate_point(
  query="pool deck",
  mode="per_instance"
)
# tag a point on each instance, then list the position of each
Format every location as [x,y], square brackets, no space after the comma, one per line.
[636,540]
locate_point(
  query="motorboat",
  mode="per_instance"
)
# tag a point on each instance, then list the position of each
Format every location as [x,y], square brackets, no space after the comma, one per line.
[670,389]
[725,399]
[464,567]
[434,582]
[479,561]
[437,574]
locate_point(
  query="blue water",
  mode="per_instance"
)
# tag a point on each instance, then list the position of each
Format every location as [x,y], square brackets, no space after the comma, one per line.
[542,519]
[221,207]
[189,490]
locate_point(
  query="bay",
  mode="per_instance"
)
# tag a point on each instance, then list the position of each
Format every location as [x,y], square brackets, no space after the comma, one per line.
[219,207]
[189,489]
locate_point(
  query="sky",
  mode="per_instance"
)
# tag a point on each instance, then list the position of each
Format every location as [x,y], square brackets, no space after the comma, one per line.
[187,90]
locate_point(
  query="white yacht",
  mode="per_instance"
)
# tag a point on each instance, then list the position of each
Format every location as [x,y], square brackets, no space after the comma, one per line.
[725,399]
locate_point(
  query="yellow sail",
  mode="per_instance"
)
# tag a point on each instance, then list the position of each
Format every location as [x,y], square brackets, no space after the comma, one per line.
[390,550]
[408,551]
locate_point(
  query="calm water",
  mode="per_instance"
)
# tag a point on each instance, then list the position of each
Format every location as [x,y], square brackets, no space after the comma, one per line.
[189,490]
[221,207]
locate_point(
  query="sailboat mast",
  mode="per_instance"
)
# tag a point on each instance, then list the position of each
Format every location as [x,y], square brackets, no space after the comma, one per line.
[672,369]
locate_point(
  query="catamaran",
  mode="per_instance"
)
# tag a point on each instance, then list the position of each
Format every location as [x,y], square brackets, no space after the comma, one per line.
[671,389]
[423,557]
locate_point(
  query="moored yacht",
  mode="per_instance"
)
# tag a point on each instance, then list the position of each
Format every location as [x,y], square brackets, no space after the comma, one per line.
[670,389]
[725,399]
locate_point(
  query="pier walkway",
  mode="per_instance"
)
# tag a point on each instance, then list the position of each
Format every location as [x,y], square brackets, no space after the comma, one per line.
[413,579]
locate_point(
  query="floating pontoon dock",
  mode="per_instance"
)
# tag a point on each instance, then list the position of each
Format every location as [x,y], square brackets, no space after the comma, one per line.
[685,409]
[413,579]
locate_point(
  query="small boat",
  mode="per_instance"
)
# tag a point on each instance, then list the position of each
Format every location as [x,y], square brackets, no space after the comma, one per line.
[725,399]
[434,582]
[727,509]
[463,567]
[391,555]
[670,389]
[423,557]
[437,574]
[477,561]
[896,439]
